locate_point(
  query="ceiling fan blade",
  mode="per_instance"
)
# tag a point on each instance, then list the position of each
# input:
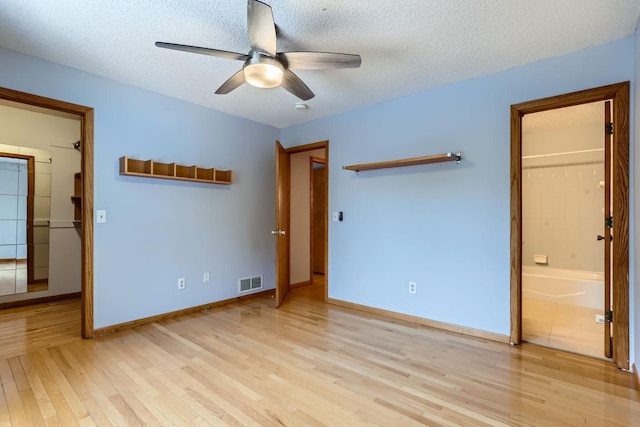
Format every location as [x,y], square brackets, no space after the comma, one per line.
[234,81]
[293,84]
[319,60]
[203,51]
[262,29]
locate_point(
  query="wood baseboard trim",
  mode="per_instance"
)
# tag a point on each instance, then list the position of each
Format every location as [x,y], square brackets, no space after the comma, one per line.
[636,374]
[300,284]
[204,307]
[42,300]
[492,336]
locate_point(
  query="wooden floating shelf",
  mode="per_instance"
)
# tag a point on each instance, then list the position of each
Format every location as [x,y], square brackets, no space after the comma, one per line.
[437,158]
[153,169]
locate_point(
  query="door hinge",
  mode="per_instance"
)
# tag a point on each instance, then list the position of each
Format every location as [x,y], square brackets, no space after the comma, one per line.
[608,222]
[608,316]
[608,128]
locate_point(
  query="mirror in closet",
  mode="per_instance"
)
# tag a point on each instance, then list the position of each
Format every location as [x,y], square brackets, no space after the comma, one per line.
[25,200]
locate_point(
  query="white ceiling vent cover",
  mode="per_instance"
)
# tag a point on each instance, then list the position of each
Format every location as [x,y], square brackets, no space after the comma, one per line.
[249,284]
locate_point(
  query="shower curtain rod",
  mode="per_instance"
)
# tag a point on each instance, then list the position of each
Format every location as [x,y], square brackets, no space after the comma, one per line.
[537,156]
[559,165]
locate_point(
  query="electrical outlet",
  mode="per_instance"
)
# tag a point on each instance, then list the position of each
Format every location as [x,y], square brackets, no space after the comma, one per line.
[412,287]
[182,283]
[205,277]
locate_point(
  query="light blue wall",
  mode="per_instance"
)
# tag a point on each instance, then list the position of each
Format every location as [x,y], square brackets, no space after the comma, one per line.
[443,226]
[160,230]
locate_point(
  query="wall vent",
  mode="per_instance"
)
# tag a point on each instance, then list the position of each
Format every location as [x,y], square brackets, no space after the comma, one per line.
[249,284]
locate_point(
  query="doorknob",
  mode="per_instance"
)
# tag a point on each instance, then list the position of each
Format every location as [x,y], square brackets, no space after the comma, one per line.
[278,232]
[602,237]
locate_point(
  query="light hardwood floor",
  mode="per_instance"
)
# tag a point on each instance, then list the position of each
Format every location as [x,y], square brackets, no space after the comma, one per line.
[306,363]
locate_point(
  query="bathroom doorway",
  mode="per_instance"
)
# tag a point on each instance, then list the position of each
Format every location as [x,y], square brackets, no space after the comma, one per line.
[563,202]
[614,221]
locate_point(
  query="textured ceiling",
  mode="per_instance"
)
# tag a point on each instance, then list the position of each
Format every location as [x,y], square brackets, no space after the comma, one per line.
[407,46]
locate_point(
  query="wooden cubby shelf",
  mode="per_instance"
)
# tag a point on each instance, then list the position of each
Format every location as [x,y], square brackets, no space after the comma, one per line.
[437,158]
[153,169]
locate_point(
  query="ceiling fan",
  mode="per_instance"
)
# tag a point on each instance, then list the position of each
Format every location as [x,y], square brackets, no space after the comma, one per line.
[264,67]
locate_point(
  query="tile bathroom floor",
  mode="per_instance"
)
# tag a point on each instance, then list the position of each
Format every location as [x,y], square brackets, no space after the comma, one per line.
[562,326]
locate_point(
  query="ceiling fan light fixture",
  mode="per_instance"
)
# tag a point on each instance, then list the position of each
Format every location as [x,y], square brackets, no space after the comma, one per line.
[263,72]
[264,66]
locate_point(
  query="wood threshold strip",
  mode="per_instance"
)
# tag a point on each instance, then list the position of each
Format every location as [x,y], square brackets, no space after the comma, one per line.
[301,284]
[204,307]
[492,336]
[42,300]
[436,158]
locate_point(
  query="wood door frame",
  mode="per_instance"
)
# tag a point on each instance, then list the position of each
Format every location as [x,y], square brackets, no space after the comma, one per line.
[606,232]
[30,195]
[86,115]
[310,147]
[619,94]
[313,160]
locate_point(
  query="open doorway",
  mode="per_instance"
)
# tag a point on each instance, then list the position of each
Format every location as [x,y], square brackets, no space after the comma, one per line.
[301,220]
[307,212]
[39,242]
[565,195]
[615,328]
[85,117]
[318,230]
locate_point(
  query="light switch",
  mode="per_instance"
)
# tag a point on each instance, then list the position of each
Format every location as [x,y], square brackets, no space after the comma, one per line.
[101,216]
[334,217]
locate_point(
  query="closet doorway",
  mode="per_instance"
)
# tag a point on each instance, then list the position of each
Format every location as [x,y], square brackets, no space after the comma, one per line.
[85,117]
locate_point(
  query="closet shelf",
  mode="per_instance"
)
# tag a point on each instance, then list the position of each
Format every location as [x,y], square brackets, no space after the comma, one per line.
[76,199]
[154,169]
[437,158]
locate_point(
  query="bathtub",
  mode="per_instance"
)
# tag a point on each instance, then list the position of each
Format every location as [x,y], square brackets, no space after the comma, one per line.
[574,287]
